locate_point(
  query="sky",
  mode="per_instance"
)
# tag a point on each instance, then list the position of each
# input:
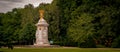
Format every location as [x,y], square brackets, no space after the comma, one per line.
[8,5]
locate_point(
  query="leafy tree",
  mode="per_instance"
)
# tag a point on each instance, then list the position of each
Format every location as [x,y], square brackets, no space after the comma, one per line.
[81,28]
[27,34]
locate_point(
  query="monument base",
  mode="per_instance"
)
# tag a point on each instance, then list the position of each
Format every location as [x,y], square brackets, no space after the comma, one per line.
[36,46]
[41,44]
[44,46]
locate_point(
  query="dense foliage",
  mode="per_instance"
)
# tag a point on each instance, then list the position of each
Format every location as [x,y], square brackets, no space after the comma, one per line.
[81,23]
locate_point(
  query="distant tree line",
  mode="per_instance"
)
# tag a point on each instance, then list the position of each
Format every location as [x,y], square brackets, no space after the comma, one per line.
[79,23]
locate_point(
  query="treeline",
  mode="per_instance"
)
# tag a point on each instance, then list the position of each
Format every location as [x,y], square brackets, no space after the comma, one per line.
[80,23]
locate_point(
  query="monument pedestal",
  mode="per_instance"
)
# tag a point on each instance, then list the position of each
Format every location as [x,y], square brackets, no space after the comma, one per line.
[37,46]
[41,44]
[42,32]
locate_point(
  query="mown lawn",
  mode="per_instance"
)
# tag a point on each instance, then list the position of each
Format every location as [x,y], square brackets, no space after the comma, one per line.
[60,50]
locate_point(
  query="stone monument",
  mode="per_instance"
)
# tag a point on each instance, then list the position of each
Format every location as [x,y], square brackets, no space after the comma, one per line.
[42,31]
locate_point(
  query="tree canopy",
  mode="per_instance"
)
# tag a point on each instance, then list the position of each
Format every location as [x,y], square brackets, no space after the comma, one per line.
[81,23]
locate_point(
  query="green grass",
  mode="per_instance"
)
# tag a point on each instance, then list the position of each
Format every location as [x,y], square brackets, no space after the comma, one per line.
[60,50]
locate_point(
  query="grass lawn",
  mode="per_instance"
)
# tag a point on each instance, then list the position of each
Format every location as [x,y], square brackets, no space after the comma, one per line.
[60,50]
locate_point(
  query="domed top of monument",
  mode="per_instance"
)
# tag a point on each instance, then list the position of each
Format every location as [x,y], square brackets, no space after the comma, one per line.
[41,20]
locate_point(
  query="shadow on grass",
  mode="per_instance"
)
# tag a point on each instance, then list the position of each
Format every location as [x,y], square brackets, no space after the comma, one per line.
[1,51]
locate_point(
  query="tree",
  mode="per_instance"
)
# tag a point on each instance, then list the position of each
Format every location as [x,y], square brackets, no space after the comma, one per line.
[27,34]
[81,29]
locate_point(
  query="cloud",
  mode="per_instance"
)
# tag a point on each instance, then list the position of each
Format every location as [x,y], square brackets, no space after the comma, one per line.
[12,0]
[8,5]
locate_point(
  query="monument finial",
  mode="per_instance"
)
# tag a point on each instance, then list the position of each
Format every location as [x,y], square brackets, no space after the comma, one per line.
[41,13]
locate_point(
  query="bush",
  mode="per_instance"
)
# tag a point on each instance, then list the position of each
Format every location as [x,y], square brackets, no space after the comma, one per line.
[116,43]
[88,43]
[100,46]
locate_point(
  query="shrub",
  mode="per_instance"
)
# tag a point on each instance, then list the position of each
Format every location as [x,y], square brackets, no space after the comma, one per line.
[116,43]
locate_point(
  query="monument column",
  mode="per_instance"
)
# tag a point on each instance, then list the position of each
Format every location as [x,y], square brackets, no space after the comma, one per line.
[42,31]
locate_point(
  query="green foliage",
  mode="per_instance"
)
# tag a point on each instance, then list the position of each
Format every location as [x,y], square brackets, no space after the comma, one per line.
[81,28]
[27,33]
[83,23]
[88,43]
[100,46]
[116,43]
[52,17]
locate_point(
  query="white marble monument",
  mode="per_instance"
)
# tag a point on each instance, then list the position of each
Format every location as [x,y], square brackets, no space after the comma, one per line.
[42,31]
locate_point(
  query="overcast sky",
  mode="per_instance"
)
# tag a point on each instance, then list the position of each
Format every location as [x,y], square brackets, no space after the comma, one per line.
[8,5]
